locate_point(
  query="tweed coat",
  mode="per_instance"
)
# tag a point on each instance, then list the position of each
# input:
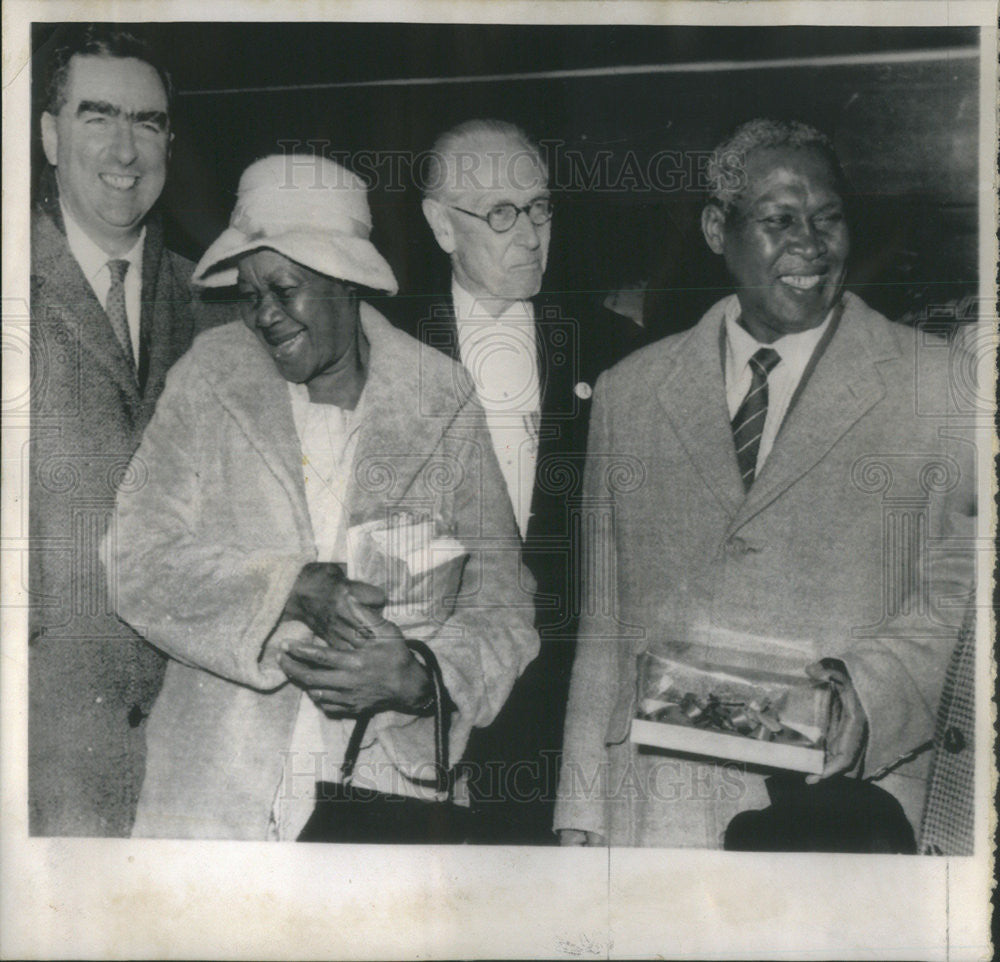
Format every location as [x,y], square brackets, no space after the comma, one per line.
[854,542]
[208,549]
[92,680]
[949,816]
[513,764]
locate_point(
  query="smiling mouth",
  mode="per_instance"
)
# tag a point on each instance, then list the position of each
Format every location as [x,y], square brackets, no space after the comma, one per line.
[801,282]
[282,345]
[119,181]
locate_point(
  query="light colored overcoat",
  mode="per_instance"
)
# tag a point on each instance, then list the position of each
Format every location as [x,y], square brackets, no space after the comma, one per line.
[854,542]
[210,543]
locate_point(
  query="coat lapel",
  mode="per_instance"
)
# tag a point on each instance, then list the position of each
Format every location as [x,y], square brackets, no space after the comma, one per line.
[693,396]
[406,412]
[59,284]
[844,384]
[255,395]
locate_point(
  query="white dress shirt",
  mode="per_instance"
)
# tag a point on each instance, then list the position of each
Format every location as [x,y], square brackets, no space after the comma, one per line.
[94,263]
[795,351]
[501,354]
[328,437]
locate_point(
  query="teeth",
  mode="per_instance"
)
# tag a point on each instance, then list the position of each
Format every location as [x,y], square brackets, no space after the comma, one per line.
[285,348]
[119,181]
[801,283]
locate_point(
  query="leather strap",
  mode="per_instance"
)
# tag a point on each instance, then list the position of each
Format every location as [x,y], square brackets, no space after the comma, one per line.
[442,706]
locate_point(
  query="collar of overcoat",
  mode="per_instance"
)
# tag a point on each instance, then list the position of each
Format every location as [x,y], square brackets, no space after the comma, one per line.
[412,395]
[842,384]
[59,282]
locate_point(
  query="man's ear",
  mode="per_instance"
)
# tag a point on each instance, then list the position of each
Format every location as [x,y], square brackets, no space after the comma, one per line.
[50,138]
[439,221]
[713,226]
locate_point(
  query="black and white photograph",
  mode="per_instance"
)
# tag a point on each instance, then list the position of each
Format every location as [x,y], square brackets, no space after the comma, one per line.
[541,454]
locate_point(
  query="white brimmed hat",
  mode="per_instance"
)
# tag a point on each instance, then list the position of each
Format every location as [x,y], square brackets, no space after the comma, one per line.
[308,208]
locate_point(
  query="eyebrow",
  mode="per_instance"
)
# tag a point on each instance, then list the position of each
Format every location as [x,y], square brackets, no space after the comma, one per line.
[105,109]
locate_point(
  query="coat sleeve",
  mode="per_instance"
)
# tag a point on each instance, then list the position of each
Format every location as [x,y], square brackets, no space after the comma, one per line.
[898,674]
[489,638]
[898,671]
[202,602]
[595,681]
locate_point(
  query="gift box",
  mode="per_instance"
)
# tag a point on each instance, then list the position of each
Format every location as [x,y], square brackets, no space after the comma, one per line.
[753,706]
[418,564]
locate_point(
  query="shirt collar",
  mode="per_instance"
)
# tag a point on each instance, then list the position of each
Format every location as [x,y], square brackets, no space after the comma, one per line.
[467,308]
[795,349]
[90,257]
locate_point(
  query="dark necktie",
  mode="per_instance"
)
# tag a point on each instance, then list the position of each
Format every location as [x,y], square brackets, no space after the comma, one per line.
[748,424]
[115,308]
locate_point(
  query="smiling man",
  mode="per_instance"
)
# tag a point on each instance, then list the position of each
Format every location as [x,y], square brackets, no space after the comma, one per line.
[111,311]
[776,435]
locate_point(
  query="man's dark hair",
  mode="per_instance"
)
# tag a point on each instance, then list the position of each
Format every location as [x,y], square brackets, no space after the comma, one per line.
[98,40]
[727,166]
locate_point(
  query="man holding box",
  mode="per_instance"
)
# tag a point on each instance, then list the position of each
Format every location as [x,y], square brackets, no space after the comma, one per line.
[799,495]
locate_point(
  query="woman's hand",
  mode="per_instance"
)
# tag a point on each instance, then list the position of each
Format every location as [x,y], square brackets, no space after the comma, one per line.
[360,662]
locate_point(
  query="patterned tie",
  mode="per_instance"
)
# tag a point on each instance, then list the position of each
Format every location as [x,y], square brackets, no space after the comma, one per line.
[748,424]
[115,308]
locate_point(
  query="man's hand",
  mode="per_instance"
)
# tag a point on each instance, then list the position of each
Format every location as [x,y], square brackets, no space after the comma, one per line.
[574,836]
[848,723]
[360,661]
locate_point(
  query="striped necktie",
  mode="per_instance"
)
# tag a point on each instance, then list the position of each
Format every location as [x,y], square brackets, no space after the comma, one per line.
[115,308]
[748,424]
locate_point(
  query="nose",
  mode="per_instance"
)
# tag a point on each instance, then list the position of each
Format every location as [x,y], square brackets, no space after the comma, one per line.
[124,144]
[807,241]
[267,312]
[526,233]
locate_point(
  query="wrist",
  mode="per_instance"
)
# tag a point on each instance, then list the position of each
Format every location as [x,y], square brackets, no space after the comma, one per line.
[419,698]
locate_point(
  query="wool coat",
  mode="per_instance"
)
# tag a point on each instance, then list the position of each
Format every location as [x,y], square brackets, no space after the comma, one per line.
[92,680]
[854,542]
[210,544]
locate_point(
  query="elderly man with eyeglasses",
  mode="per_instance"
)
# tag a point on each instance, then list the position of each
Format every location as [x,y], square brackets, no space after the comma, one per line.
[488,202]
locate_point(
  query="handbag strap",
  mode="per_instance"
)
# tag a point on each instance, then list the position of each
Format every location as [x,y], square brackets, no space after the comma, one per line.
[443,781]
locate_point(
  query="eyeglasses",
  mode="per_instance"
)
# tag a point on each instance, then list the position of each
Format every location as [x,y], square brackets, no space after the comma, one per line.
[504,216]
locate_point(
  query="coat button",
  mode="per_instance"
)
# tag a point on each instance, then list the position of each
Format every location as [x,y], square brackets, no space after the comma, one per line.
[737,546]
[954,740]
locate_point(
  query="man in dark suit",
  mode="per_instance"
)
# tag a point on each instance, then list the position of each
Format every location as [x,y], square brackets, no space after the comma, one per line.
[110,312]
[533,359]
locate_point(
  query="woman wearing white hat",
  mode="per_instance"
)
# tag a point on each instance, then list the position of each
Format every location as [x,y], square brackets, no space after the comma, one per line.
[312,444]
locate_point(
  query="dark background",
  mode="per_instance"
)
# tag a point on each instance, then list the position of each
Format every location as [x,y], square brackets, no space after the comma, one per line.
[907,133]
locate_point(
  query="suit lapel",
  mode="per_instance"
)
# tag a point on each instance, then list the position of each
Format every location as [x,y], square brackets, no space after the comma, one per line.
[693,396]
[58,282]
[157,351]
[844,384]
[438,328]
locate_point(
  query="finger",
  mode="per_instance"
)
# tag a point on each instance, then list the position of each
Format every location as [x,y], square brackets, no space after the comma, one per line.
[363,615]
[307,677]
[348,633]
[323,656]
[331,703]
[572,836]
[370,595]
